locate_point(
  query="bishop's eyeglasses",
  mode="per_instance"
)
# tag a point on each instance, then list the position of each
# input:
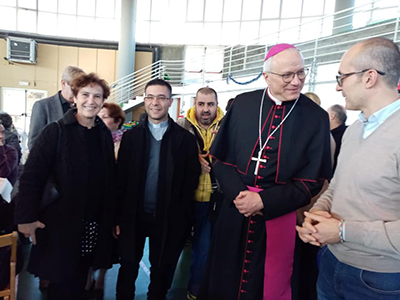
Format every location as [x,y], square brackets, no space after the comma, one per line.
[340,77]
[288,77]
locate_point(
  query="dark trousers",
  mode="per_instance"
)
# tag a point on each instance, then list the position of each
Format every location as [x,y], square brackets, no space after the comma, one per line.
[73,288]
[305,271]
[200,246]
[161,274]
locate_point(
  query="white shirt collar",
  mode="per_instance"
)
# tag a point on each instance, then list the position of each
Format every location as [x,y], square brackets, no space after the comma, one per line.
[277,102]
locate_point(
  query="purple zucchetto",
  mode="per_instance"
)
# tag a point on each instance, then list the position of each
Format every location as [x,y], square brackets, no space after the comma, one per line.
[278,49]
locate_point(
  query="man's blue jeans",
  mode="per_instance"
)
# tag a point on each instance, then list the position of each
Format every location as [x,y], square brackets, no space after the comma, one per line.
[340,281]
[200,246]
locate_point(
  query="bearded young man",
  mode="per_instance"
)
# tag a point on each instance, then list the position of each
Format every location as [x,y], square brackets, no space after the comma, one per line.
[272,155]
[202,120]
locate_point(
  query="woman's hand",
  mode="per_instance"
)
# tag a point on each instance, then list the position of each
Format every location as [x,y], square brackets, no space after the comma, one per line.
[29,229]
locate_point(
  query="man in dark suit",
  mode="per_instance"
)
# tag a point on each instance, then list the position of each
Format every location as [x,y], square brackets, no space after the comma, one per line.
[158,172]
[337,120]
[51,109]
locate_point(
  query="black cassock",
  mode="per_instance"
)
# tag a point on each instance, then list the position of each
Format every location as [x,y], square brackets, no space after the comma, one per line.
[298,161]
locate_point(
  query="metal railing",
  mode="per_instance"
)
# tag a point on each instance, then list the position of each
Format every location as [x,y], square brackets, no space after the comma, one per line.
[321,41]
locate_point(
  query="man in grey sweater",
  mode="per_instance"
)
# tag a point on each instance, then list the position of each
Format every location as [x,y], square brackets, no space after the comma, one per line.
[358,217]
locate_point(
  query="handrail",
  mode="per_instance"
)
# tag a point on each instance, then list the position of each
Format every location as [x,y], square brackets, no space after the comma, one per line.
[241,61]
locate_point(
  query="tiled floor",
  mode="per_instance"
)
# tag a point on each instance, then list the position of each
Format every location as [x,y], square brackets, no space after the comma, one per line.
[28,285]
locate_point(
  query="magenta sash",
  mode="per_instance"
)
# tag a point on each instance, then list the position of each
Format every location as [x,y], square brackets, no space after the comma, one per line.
[278,268]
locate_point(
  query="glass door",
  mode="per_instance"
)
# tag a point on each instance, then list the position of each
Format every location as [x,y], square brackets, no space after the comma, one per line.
[18,104]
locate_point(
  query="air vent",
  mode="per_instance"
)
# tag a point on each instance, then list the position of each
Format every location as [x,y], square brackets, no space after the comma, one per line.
[21,50]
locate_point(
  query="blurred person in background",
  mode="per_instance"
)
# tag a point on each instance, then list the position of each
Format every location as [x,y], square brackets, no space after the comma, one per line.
[113,116]
[51,109]
[10,138]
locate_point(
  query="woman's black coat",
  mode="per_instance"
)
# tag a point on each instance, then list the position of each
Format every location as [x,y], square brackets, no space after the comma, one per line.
[57,254]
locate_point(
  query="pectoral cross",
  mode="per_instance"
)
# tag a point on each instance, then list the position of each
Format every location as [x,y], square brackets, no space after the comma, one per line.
[258,159]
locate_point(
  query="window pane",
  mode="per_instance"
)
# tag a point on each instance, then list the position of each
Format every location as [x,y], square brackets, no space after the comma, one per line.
[249,32]
[230,34]
[311,29]
[105,29]
[291,8]
[327,26]
[328,72]
[66,25]
[105,8]
[214,59]
[86,7]
[159,10]
[8,18]
[193,61]
[8,2]
[157,33]
[213,10]
[269,32]
[360,19]
[47,23]
[289,31]
[27,4]
[387,3]
[194,33]
[177,11]
[251,9]
[176,38]
[67,7]
[26,20]
[312,7]
[48,5]
[271,9]
[383,14]
[232,10]
[143,10]
[142,31]
[195,10]
[87,27]
[118,9]
[212,33]
[329,7]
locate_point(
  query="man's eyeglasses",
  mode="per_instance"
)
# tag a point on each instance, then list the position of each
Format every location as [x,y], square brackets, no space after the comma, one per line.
[150,98]
[340,77]
[288,77]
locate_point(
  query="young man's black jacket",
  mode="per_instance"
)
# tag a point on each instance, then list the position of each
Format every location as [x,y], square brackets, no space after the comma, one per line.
[179,171]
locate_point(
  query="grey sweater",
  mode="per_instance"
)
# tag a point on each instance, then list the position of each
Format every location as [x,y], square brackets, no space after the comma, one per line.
[365,192]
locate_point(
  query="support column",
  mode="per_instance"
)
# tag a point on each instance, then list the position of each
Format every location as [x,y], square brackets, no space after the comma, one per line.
[343,20]
[127,42]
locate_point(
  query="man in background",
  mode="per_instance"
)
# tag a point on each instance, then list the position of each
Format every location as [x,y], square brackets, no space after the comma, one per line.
[10,138]
[51,109]
[202,120]
[337,120]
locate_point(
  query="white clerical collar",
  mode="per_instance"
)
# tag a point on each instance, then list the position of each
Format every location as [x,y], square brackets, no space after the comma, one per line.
[160,125]
[277,102]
